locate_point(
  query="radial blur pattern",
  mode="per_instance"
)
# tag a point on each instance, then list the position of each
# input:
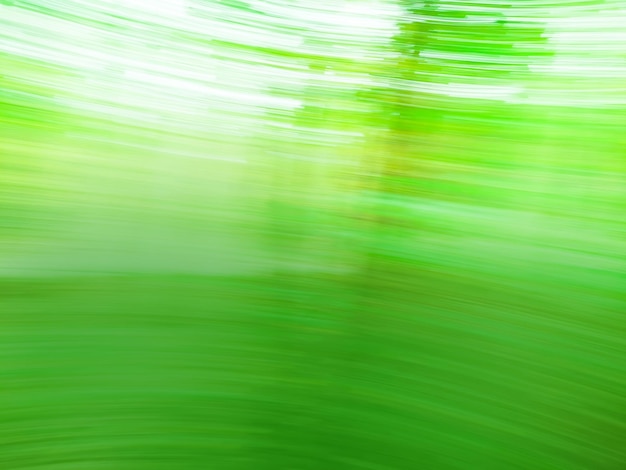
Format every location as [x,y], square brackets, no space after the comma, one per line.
[292,235]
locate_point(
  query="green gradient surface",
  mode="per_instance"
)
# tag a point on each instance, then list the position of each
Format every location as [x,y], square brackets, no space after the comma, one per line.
[367,235]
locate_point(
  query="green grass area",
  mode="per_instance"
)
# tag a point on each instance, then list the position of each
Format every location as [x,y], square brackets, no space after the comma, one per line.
[393,368]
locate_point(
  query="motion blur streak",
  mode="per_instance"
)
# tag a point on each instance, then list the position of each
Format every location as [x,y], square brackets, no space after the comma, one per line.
[294,235]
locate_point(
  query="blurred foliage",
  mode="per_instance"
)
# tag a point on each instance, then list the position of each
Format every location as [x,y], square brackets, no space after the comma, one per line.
[283,235]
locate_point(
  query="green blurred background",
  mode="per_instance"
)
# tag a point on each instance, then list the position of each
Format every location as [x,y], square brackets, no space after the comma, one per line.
[262,234]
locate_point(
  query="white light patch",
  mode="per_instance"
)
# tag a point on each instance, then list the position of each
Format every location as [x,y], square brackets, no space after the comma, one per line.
[177,84]
[158,7]
[366,15]
[253,99]
[464,90]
